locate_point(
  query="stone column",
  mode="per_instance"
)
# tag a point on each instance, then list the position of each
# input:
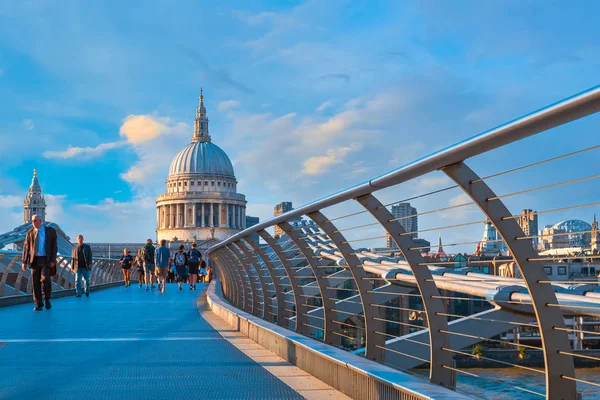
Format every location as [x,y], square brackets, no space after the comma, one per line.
[243,217]
[211,218]
[202,216]
[194,214]
[163,216]
[227,215]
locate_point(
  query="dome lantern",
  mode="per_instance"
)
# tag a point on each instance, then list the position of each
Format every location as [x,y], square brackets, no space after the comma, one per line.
[201,123]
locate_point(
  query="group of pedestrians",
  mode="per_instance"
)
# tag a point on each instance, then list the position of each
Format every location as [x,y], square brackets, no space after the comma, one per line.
[155,264]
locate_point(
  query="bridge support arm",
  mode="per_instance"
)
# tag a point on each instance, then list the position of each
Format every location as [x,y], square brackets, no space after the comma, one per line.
[554,341]
[434,307]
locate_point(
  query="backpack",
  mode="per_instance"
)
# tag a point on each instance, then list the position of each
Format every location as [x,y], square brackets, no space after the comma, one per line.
[148,253]
[180,259]
[195,255]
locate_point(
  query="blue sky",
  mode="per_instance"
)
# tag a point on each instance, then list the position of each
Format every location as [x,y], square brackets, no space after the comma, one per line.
[307,98]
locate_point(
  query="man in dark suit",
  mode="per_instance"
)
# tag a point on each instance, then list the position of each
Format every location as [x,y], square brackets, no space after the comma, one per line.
[81,264]
[39,254]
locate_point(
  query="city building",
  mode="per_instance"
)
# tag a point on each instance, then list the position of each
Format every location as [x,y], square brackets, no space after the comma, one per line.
[577,232]
[407,217]
[491,243]
[553,237]
[251,221]
[201,203]
[528,221]
[279,209]
[595,240]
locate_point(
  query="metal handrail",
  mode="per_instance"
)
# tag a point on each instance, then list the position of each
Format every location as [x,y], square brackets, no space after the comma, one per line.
[561,112]
[516,302]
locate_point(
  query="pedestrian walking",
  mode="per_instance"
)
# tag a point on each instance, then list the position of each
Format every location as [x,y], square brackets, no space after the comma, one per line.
[181,260]
[209,274]
[171,276]
[194,264]
[39,254]
[162,256]
[203,271]
[148,257]
[81,264]
[126,264]
[139,263]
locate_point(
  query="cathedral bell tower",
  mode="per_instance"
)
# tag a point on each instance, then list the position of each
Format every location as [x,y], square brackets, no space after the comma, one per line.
[34,202]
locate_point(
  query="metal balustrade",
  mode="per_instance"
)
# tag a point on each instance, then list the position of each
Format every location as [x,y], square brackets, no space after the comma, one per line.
[420,309]
[14,281]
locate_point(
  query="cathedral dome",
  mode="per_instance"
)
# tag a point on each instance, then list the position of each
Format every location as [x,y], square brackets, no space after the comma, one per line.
[205,158]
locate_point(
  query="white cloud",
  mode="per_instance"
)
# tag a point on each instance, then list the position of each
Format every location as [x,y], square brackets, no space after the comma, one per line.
[325,105]
[84,152]
[319,164]
[143,128]
[461,210]
[228,105]
[55,207]
[11,210]
[28,123]
[10,201]
[155,141]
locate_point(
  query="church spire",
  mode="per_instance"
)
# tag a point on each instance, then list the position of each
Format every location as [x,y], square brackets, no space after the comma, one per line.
[34,202]
[201,122]
[440,249]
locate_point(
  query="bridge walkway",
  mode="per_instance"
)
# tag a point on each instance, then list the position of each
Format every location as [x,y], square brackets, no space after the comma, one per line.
[126,342]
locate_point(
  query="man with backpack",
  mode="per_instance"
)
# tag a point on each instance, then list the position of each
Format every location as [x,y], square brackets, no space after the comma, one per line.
[162,257]
[181,260]
[148,257]
[194,264]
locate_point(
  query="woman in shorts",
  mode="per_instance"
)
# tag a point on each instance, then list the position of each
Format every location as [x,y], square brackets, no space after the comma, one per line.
[126,264]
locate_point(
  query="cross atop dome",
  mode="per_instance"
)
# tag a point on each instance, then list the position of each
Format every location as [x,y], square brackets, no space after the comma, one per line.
[201,123]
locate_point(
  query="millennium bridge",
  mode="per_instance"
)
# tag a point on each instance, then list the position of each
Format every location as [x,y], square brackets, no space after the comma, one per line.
[312,314]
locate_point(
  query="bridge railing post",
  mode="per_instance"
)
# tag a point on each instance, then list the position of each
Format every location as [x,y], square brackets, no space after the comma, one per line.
[246,273]
[301,320]
[268,301]
[555,342]
[282,314]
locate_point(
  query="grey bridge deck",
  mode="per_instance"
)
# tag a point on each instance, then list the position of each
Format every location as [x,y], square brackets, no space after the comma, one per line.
[125,343]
